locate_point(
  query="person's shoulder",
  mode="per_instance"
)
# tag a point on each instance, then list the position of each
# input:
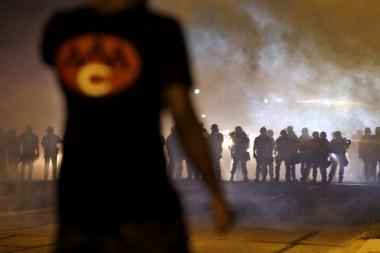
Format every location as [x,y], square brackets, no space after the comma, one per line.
[71,13]
[163,18]
[163,21]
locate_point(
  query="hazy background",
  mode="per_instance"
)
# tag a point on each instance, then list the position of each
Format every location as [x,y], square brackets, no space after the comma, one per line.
[306,63]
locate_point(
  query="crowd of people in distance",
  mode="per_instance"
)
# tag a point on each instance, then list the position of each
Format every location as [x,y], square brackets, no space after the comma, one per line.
[18,153]
[314,154]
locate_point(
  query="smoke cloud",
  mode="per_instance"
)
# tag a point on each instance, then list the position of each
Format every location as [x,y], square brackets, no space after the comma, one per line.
[278,63]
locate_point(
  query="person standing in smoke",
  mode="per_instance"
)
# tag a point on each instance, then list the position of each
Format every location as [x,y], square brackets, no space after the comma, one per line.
[270,134]
[304,152]
[366,154]
[192,172]
[315,154]
[216,141]
[293,158]
[375,167]
[319,153]
[282,153]
[50,144]
[339,146]
[13,150]
[120,65]
[29,151]
[175,154]
[262,152]
[325,153]
[239,152]
[353,152]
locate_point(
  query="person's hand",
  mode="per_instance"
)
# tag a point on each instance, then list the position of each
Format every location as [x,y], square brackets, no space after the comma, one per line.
[223,217]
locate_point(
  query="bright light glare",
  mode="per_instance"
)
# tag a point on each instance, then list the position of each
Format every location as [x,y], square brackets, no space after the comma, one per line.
[203,116]
[328,102]
[279,100]
[227,143]
[197,91]
[266,100]
[225,132]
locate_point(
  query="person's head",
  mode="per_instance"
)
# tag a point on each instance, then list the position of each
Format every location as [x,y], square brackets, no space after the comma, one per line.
[270,133]
[214,128]
[283,133]
[305,131]
[263,130]
[50,130]
[29,129]
[377,130]
[290,129]
[367,131]
[359,132]
[115,5]
[315,135]
[238,129]
[337,134]
[323,135]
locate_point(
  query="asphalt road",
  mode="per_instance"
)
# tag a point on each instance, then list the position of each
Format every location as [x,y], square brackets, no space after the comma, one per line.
[269,217]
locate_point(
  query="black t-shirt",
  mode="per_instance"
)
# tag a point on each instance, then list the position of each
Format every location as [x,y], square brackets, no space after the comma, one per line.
[112,69]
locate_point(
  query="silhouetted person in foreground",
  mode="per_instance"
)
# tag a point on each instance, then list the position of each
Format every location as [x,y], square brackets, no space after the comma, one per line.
[119,65]
[367,155]
[29,152]
[262,151]
[13,149]
[339,146]
[50,144]
[282,153]
[216,141]
[305,156]
[239,152]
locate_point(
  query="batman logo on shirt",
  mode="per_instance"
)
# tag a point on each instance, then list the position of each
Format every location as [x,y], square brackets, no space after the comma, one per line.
[96,65]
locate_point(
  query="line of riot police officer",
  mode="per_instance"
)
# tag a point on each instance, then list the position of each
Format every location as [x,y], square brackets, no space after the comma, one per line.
[314,154]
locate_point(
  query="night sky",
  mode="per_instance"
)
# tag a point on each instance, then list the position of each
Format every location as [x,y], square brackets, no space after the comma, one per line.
[259,57]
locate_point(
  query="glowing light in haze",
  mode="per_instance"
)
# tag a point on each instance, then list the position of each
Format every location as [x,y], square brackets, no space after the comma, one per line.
[227,143]
[328,102]
[197,91]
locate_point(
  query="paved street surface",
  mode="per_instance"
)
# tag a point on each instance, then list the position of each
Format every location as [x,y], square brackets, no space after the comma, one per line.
[270,217]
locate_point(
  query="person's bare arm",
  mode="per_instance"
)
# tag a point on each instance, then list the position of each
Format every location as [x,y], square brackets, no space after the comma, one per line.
[177,99]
